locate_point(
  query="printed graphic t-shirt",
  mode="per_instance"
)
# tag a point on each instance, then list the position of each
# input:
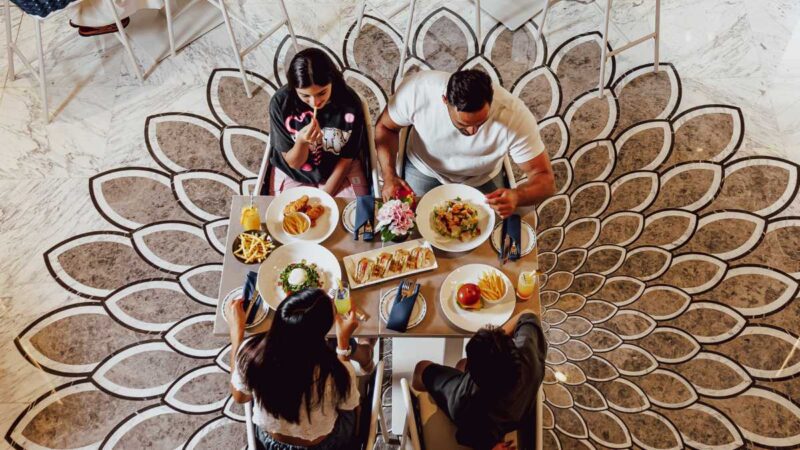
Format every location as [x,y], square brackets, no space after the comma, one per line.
[343,132]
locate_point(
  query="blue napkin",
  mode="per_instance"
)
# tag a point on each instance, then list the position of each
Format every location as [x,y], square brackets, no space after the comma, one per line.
[401,310]
[247,292]
[365,217]
[512,227]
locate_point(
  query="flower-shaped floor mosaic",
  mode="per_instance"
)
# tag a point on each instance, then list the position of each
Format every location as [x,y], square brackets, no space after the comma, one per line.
[670,284]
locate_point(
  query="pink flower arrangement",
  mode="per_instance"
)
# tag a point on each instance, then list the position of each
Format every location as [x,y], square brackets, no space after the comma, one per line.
[395,219]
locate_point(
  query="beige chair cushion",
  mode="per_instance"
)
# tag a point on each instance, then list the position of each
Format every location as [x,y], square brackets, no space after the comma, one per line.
[438,432]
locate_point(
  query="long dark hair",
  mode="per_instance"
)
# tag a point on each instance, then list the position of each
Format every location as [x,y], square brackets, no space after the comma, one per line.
[285,366]
[313,67]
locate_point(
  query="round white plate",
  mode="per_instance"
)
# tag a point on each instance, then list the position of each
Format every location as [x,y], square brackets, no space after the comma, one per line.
[349,216]
[236,293]
[326,223]
[491,314]
[439,195]
[270,270]
[417,313]
[527,236]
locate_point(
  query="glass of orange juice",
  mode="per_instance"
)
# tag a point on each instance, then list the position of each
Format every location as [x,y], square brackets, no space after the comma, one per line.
[526,283]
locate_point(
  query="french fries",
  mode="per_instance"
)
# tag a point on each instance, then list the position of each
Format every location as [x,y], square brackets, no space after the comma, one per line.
[492,285]
[294,224]
[253,248]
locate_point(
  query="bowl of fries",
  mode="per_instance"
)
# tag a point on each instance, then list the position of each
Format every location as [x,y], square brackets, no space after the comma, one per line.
[296,223]
[493,286]
[252,247]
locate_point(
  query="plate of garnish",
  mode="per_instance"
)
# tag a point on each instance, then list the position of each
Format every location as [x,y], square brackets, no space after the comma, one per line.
[388,263]
[477,295]
[455,217]
[302,214]
[294,267]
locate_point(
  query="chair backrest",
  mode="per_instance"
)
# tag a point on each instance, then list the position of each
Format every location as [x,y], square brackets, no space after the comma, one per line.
[248,420]
[376,413]
[509,169]
[370,160]
[410,433]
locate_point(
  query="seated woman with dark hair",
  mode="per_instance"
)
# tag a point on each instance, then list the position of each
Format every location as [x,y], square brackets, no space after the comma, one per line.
[317,129]
[305,395]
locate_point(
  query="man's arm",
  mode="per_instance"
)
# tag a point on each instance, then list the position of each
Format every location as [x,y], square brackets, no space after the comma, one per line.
[534,308]
[387,141]
[416,380]
[539,185]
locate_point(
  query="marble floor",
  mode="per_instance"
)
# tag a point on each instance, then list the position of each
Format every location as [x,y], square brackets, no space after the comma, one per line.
[671,252]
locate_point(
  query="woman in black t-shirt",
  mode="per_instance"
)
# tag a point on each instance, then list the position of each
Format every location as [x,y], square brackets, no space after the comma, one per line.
[317,129]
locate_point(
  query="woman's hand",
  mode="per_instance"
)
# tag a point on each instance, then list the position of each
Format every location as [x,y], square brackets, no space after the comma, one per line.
[311,133]
[346,325]
[237,320]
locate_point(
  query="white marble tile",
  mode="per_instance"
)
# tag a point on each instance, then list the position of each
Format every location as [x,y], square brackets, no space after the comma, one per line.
[706,39]
[71,145]
[36,215]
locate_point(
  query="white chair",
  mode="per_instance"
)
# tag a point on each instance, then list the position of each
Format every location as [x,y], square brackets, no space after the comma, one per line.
[655,35]
[437,431]
[386,17]
[40,74]
[237,53]
[377,422]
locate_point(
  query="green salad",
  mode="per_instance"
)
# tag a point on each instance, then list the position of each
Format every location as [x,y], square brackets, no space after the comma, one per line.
[298,276]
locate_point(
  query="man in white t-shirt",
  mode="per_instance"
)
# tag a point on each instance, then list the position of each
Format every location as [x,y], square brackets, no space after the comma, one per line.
[463,127]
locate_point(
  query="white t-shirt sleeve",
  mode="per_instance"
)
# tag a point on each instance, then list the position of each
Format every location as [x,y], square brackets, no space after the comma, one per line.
[353,396]
[403,104]
[237,381]
[525,142]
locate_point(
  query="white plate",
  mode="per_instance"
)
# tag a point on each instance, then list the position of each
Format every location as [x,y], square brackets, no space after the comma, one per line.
[527,236]
[236,293]
[417,313]
[326,223]
[349,216]
[491,314]
[350,263]
[270,270]
[439,195]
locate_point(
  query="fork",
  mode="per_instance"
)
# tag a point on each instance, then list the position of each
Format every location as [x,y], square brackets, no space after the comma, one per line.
[405,288]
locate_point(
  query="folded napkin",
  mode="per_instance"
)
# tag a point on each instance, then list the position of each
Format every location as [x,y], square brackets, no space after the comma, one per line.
[365,217]
[512,228]
[401,310]
[247,292]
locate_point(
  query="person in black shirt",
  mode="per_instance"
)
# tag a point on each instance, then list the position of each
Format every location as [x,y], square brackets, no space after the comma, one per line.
[317,129]
[493,391]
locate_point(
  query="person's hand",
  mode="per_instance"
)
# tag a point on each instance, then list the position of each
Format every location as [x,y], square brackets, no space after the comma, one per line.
[311,133]
[393,184]
[503,201]
[346,325]
[237,320]
[508,445]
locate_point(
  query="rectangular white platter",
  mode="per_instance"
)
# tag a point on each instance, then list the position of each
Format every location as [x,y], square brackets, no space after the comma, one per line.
[350,262]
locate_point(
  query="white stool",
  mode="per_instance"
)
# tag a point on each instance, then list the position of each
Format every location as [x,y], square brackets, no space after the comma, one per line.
[40,75]
[362,6]
[655,35]
[237,53]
